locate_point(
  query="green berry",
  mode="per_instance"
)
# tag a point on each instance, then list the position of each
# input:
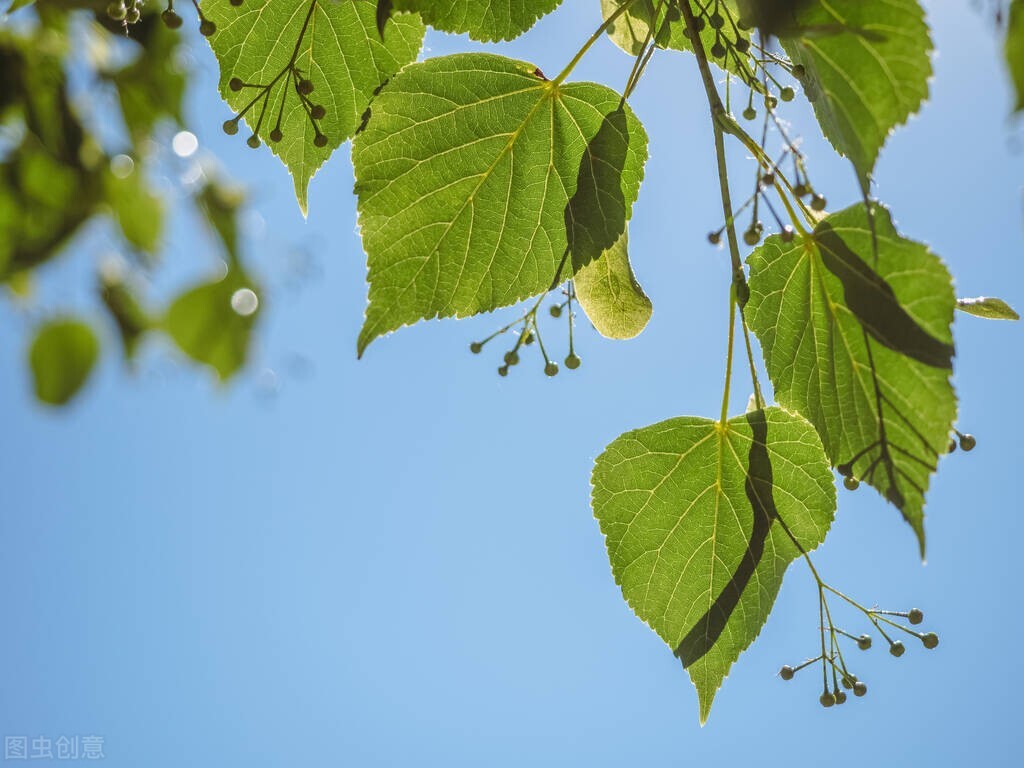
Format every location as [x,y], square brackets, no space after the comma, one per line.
[801,189]
[276,135]
[799,70]
[207,28]
[714,237]
[572,362]
[475,347]
[951,447]
[930,641]
[859,688]
[787,672]
[967,442]
[851,483]
[503,370]
[718,50]
[749,113]
[848,681]
[818,203]
[317,112]
[896,648]
[230,127]
[752,236]
[511,358]
[771,102]
[305,87]
[171,19]
[253,141]
[768,179]
[117,11]
[235,84]
[529,338]
[827,699]
[840,697]
[236,3]
[864,642]
[915,616]
[320,141]
[551,369]
[132,15]
[787,94]
[742,44]
[699,23]
[555,310]
[716,20]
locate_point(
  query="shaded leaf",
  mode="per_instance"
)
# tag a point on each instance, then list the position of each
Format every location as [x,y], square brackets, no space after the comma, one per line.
[695,514]
[464,174]
[62,355]
[610,295]
[862,349]
[138,210]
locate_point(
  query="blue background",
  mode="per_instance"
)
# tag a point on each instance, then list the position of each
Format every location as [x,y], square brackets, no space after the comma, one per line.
[393,562]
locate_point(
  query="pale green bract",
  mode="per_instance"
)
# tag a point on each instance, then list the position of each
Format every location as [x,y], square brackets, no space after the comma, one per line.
[335,46]
[695,515]
[867,69]
[862,349]
[610,295]
[488,21]
[473,173]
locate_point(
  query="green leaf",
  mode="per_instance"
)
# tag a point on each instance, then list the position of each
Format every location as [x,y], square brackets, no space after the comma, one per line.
[862,348]
[631,30]
[219,203]
[467,175]
[487,21]
[212,323]
[138,210]
[1014,49]
[62,355]
[335,46]
[987,307]
[695,515]
[867,68]
[610,295]
[132,320]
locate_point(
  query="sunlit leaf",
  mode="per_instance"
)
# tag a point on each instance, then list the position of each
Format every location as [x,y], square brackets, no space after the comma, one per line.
[488,21]
[987,307]
[610,295]
[62,355]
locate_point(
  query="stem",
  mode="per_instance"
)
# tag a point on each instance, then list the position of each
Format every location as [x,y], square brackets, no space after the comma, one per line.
[590,42]
[728,356]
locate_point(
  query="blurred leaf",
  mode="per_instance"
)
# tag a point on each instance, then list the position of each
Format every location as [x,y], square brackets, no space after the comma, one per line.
[1015,50]
[987,307]
[131,318]
[220,203]
[62,356]
[209,322]
[138,210]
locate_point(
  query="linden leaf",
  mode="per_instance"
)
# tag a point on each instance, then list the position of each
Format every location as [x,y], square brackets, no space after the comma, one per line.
[610,295]
[486,21]
[867,67]
[474,175]
[987,307]
[290,59]
[62,355]
[1014,49]
[700,520]
[862,348]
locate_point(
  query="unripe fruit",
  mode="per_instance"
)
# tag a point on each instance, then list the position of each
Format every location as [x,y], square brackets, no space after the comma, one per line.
[768,179]
[317,112]
[171,19]
[787,672]
[236,3]
[529,338]
[800,189]
[718,50]
[132,15]
[503,370]
[799,70]
[864,642]
[117,11]
[572,362]
[230,127]
[840,697]
[276,135]
[235,84]
[511,358]
[851,483]
[859,688]
[771,102]
[967,442]
[551,369]
[305,87]
[207,28]
[555,311]
[716,21]
[253,141]
[818,203]
[896,648]
[915,616]
[930,641]
[749,113]
[475,347]
[787,94]
[951,447]
[320,140]
[699,23]
[827,699]
[714,237]
[742,44]
[848,682]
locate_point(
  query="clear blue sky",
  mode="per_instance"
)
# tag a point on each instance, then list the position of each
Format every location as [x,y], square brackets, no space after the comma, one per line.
[392,562]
